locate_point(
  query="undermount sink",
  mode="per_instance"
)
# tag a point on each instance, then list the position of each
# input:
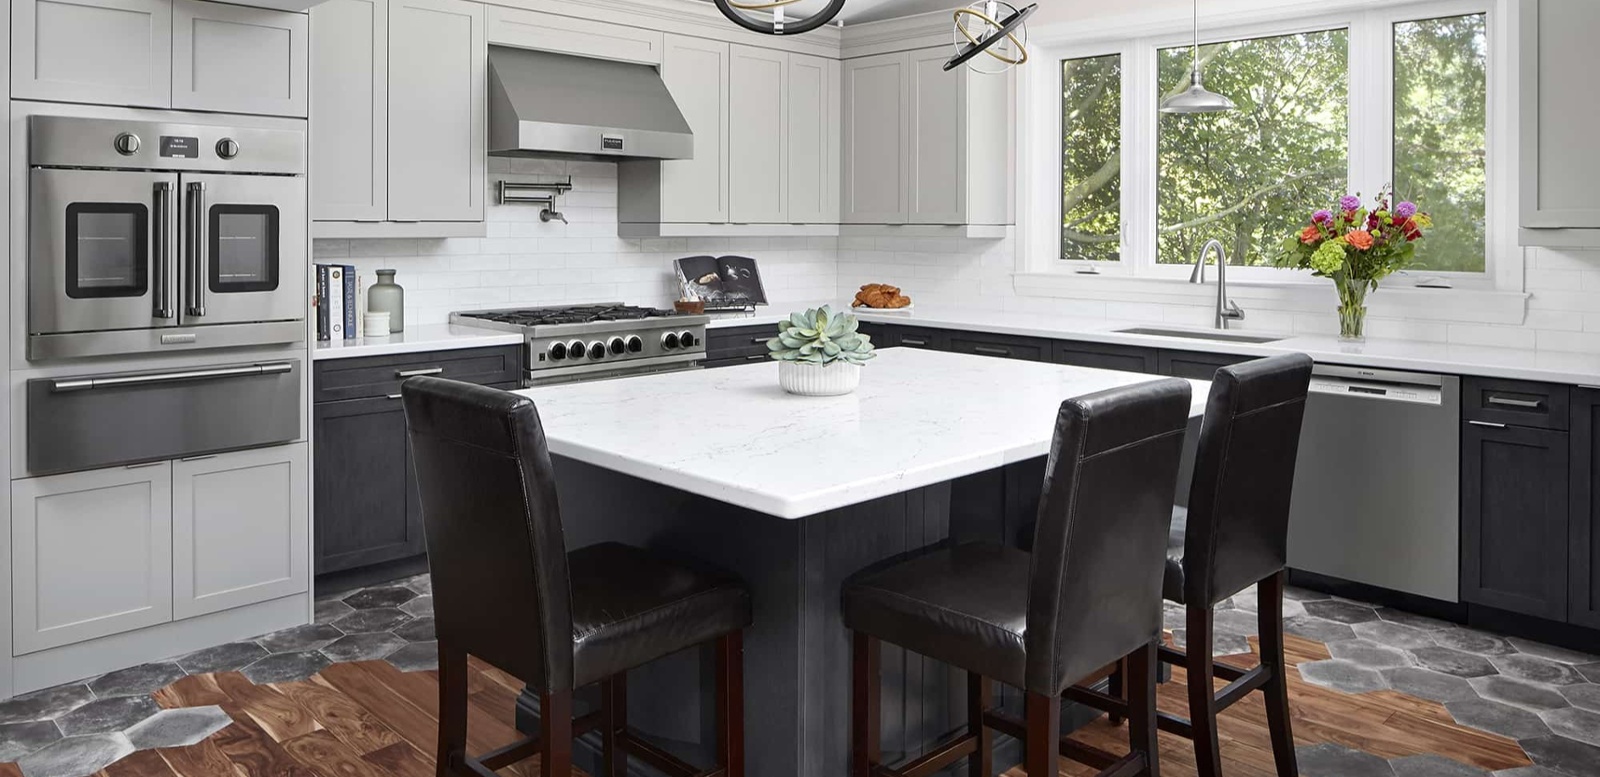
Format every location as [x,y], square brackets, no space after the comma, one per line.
[1194,334]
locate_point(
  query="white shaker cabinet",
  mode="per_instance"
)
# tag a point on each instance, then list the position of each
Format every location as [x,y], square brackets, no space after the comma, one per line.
[696,73]
[438,81]
[937,102]
[812,141]
[238,60]
[350,110]
[115,52]
[758,103]
[91,554]
[240,529]
[876,139]
[1560,108]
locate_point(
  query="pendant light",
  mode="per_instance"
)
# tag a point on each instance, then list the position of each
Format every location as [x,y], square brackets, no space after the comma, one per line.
[1197,98]
[779,24]
[1002,23]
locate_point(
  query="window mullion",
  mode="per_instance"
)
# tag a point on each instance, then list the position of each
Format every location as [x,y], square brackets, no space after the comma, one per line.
[1371,105]
[1139,179]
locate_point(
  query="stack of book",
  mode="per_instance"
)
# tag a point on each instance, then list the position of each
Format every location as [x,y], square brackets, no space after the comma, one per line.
[338,301]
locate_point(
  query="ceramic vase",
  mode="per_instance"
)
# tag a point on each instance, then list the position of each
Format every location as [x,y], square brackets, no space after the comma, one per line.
[819,380]
[386,296]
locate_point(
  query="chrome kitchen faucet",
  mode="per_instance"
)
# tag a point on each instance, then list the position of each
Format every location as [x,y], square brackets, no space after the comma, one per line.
[1226,309]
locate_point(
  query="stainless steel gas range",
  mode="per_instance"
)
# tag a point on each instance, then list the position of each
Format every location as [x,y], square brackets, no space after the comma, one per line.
[596,342]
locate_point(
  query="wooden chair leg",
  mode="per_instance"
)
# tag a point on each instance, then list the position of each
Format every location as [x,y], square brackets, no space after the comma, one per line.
[555,733]
[614,705]
[730,704]
[452,711]
[1269,593]
[1042,750]
[1140,670]
[1117,687]
[980,697]
[865,719]
[1202,691]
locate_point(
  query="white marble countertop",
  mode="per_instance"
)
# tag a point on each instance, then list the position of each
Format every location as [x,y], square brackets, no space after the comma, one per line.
[415,339]
[919,418]
[1517,364]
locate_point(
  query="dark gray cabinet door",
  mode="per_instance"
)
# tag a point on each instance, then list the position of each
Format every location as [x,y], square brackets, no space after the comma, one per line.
[366,501]
[1194,365]
[1103,356]
[1514,519]
[1002,346]
[1583,573]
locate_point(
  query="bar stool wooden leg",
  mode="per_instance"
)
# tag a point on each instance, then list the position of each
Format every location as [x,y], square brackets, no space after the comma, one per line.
[980,697]
[614,703]
[1269,594]
[1117,687]
[452,711]
[1042,751]
[555,734]
[730,704]
[1202,691]
[865,718]
[1140,671]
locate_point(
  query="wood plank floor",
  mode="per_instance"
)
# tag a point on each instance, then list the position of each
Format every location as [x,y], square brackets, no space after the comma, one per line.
[371,720]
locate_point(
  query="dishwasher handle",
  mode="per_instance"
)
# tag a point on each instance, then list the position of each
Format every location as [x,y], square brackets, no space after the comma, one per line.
[1381,385]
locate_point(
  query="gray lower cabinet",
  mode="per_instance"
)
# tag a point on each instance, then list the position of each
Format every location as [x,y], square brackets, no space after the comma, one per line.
[737,345]
[1101,356]
[1194,365]
[365,492]
[1514,502]
[1583,532]
[1003,346]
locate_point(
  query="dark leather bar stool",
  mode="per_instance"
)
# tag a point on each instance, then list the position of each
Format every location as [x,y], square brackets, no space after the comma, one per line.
[1087,595]
[1233,535]
[506,590]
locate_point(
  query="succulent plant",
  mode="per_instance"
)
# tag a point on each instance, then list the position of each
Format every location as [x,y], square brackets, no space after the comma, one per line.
[820,336]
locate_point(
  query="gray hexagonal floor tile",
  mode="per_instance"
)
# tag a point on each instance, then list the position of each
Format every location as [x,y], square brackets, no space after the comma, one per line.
[178,727]
[1528,771]
[20,739]
[44,705]
[330,610]
[308,637]
[422,584]
[1394,634]
[419,607]
[1433,766]
[285,667]
[1413,620]
[1304,594]
[1428,684]
[1538,670]
[1473,641]
[1330,760]
[1221,644]
[137,680]
[1585,696]
[76,756]
[1574,723]
[222,658]
[419,630]
[1551,652]
[1368,654]
[1568,756]
[1450,661]
[1342,676]
[1590,672]
[1497,718]
[363,647]
[1318,629]
[1531,696]
[106,715]
[368,621]
[416,657]
[1341,611]
[385,596]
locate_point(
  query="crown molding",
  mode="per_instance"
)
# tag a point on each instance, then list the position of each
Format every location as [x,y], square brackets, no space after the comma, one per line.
[684,17]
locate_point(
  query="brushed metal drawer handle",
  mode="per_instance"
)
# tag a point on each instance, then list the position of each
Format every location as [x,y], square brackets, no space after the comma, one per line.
[393,396]
[988,351]
[89,384]
[1487,424]
[756,357]
[403,374]
[913,342]
[1528,404]
[759,340]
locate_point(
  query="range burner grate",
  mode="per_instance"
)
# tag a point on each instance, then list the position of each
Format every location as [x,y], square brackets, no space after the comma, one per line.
[580,314]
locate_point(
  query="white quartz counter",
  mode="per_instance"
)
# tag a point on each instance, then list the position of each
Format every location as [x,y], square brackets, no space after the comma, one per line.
[1550,366]
[415,339]
[919,418]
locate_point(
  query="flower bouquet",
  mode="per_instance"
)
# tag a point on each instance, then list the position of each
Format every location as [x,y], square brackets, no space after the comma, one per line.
[1356,247]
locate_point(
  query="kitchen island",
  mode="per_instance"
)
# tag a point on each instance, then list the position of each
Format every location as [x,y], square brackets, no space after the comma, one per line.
[795,494]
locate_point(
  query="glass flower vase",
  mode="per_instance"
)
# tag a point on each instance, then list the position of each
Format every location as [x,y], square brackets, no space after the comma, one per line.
[1353,309]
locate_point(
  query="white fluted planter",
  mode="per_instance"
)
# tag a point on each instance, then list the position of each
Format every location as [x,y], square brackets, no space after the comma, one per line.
[819,380]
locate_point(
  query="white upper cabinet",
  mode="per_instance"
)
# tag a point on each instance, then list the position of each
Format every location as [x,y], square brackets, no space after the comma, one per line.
[812,141]
[938,153]
[350,110]
[116,52]
[238,60]
[696,73]
[1560,108]
[181,54]
[757,136]
[438,77]
[876,139]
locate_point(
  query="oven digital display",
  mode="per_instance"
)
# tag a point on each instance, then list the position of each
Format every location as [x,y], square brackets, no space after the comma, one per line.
[180,146]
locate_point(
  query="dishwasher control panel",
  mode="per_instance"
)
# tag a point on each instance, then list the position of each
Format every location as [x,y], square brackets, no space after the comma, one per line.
[1392,391]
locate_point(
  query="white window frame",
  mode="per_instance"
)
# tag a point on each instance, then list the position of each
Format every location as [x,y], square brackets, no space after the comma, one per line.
[1371,115]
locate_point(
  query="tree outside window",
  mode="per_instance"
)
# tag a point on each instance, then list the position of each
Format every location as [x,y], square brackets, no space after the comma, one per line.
[1091,158]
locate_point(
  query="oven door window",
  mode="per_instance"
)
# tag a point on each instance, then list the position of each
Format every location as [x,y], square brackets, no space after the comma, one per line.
[108,250]
[244,248]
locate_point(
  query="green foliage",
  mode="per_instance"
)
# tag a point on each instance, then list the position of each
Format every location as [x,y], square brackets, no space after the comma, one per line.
[1091,158]
[821,336]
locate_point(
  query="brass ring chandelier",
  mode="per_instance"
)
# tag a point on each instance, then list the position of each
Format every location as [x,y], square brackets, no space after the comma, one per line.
[991,27]
[778,24]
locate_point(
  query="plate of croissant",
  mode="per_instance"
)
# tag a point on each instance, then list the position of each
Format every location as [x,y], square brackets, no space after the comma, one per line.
[881,297]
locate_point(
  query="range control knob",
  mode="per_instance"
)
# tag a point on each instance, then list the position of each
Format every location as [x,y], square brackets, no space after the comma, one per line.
[576,349]
[597,350]
[687,340]
[556,352]
[126,144]
[227,148]
[669,341]
[618,347]
[635,345]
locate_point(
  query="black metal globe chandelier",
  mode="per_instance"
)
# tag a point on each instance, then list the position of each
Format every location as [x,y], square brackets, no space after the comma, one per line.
[778,23]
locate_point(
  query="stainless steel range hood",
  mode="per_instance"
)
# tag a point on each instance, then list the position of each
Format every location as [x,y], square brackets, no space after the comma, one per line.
[546,104]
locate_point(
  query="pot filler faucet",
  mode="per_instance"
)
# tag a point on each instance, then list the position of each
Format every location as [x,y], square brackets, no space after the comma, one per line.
[1226,309]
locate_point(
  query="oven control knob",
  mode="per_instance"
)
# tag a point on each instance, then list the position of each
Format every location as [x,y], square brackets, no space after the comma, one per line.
[126,144]
[687,340]
[635,345]
[557,351]
[617,346]
[669,341]
[597,350]
[227,148]
[576,349]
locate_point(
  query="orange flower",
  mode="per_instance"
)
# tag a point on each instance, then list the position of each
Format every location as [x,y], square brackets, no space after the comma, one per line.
[1311,234]
[1361,239]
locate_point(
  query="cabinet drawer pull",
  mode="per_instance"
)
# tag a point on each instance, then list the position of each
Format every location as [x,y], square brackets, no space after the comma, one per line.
[1488,424]
[989,351]
[756,357]
[403,374]
[759,340]
[1527,404]
[144,465]
[913,342]
[393,396]
[199,458]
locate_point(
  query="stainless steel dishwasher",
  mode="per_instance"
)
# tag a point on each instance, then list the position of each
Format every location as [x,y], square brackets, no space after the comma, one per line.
[1377,485]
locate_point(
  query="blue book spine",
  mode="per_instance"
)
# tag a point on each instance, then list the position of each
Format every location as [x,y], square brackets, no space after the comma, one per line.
[350,312]
[323,330]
